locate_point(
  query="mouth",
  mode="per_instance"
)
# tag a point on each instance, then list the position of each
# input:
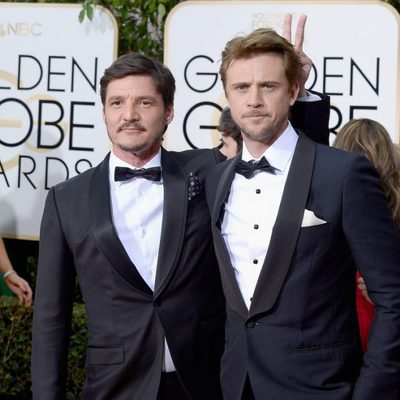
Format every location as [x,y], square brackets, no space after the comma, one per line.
[256,115]
[131,128]
[256,118]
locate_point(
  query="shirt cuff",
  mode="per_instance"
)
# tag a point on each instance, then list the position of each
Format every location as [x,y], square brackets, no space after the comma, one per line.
[309,98]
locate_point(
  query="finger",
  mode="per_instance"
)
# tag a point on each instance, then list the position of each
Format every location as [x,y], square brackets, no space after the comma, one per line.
[27,301]
[28,297]
[24,298]
[299,39]
[365,293]
[25,287]
[287,28]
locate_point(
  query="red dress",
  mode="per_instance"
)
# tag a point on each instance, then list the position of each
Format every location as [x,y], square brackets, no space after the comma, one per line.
[365,313]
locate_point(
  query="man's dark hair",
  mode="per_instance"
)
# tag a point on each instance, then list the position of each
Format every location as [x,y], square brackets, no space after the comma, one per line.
[138,64]
[228,127]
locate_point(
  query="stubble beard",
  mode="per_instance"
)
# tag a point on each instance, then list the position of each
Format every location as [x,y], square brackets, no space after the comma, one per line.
[266,134]
[142,147]
[139,147]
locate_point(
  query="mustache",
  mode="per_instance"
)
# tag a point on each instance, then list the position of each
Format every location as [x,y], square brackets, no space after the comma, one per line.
[131,125]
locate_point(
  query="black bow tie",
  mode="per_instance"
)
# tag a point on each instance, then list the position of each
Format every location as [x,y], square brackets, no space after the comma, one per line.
[248,169]
[124,174]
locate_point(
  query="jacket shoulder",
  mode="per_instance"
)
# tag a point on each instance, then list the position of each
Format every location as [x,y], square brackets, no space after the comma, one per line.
[80,181]
[198,156]
[335,157]
[75,181]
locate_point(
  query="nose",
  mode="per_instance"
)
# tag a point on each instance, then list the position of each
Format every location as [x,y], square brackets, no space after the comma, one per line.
[254,98]
[130,113]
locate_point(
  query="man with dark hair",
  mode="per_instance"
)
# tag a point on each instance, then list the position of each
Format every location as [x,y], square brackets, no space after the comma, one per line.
[290,219]
[136,232]
[231,137]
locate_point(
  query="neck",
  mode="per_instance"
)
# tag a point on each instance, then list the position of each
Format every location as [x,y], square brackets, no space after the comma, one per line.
[137,159]
[258,148]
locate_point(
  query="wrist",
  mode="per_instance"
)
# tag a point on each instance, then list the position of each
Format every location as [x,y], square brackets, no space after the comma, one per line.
[8,273]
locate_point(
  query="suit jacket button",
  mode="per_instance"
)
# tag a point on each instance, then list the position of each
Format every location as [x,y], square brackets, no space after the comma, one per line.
[157,303]
[250,324]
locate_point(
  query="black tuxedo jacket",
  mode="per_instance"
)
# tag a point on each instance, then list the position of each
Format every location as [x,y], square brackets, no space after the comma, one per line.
[299,340]
[126,320]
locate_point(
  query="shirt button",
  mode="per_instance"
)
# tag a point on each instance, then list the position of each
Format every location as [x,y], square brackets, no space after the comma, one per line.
[258,191]
[255,261]
[256,226]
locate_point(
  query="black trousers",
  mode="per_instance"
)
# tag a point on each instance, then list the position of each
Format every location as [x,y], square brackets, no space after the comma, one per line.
[171,388]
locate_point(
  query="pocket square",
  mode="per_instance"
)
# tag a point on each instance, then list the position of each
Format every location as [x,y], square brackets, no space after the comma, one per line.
[195,187]
[310,219]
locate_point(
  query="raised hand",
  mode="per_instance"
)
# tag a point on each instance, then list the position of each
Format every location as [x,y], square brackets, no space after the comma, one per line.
[306,62]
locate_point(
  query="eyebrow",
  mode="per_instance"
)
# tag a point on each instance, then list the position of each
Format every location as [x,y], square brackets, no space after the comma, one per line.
[140,98]
[239,84]
[270,82]
[111,98]
[242,83]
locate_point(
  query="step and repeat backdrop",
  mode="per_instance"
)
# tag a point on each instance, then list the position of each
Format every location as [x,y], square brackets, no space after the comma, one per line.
[354,46]
[51,123]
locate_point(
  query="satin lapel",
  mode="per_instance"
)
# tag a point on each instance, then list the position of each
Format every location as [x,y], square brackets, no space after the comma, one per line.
[174,218]
[286,228]
[231,288]
[104,231]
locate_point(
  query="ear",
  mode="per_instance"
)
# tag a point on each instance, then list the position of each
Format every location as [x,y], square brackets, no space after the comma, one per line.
[169,114]
[294,92]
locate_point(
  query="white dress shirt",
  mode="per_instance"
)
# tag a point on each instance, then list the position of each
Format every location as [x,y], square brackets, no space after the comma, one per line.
[251,211]
[309,98]
[137,211]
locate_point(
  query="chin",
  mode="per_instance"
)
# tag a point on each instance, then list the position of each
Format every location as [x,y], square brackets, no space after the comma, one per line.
[132,148]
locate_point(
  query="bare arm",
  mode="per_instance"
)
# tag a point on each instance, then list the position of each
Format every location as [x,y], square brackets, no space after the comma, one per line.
[16,284]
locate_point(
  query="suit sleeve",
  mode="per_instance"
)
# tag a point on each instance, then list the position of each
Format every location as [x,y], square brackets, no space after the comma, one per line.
[312,118]
[52,307]
[375,246]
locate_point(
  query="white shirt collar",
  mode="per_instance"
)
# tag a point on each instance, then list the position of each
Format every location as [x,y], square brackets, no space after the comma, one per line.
[117,162]
[280,152]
